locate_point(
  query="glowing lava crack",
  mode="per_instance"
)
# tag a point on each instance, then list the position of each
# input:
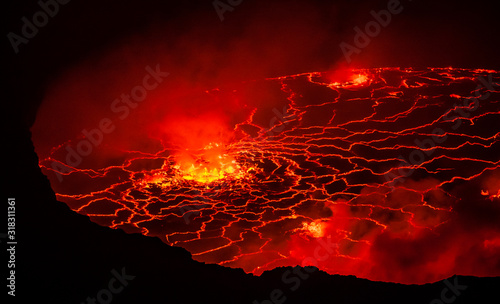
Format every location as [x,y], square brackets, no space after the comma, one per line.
[392,174]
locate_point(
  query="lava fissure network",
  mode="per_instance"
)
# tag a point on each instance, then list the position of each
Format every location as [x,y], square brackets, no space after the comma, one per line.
[394,172]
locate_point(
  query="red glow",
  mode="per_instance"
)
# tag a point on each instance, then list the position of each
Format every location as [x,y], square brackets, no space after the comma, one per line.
[307,169]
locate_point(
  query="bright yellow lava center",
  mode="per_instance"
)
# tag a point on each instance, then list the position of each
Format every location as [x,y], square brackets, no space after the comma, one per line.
[210,165]
[314,229]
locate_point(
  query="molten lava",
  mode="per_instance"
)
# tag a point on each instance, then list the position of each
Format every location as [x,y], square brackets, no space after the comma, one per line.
[314,229]
[387,174]
[212,164]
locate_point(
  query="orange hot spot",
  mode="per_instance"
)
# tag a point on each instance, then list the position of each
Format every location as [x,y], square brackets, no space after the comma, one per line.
[314,229]
[492,195]
[347,79]
[359,79]
[208,165]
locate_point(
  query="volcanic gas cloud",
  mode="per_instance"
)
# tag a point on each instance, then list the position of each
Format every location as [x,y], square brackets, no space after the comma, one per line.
[388,174]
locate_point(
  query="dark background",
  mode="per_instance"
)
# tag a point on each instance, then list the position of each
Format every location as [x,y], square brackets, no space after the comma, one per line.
[63,258]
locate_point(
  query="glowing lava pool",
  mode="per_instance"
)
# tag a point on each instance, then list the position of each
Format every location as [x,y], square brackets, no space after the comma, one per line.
[389,174]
